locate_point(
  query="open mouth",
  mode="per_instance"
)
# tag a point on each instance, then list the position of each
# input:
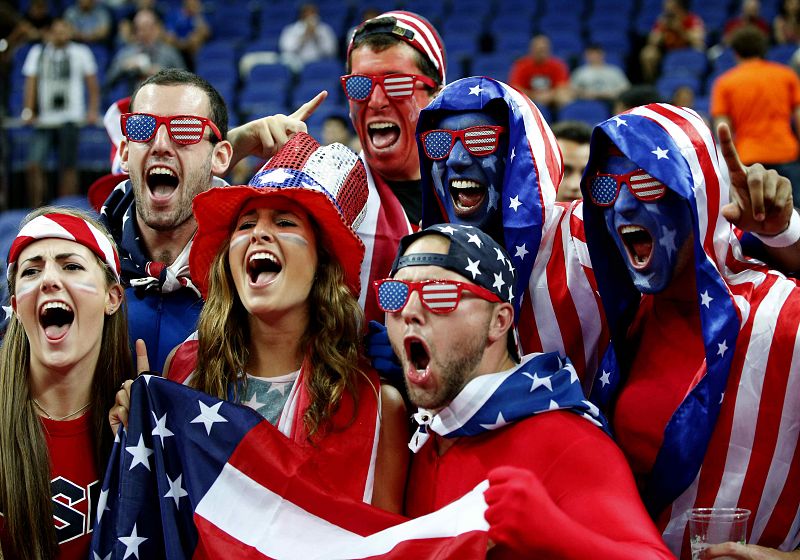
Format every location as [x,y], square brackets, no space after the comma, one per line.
[639,244]
[467,195]
[161,181]
[263,268]
[56,318]
[383,135]
[419,360]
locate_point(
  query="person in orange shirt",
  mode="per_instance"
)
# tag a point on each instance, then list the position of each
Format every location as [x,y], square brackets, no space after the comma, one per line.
[759,99]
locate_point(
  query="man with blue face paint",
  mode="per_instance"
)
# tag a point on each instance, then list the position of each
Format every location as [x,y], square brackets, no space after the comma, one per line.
[468,154]
[699,379]
[511,193]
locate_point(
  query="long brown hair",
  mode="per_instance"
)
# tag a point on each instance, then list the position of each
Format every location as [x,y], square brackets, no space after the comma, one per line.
[331,343]
[25,495]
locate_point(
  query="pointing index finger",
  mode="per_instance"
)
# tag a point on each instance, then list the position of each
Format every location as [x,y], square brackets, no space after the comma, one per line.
[307,109]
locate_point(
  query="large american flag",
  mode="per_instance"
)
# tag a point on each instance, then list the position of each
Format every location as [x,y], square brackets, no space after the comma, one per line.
[196,477]
[559,310]
[733,440]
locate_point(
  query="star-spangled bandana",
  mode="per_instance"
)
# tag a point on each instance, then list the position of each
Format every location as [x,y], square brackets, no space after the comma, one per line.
[675,146]
[472,254]
[533,169]
[541,383]
[118,214]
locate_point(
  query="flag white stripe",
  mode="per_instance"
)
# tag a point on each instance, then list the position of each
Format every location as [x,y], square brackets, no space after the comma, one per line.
[279,528]
[786,445]
[679,517]
[748,401]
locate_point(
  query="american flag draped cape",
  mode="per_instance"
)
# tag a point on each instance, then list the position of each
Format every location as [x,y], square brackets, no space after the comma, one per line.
[196,477]
[733,439]
[385,224]
[557,307]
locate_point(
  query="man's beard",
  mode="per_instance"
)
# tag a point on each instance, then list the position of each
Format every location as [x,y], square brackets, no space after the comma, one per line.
[193,184]
[453,374]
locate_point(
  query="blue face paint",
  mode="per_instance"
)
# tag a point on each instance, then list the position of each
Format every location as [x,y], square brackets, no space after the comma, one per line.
[651,236]
[469,185]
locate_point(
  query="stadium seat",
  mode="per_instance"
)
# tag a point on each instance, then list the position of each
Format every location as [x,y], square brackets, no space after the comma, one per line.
[684,61]
[586,110]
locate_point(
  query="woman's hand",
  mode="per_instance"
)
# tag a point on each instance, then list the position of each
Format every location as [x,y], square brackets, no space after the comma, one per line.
[122,403]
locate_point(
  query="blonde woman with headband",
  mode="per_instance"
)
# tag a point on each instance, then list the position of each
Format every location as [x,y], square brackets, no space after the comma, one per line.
[64,356]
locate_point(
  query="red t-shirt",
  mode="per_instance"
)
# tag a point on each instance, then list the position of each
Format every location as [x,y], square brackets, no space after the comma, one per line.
[527,74]
[669,357]
[75,485]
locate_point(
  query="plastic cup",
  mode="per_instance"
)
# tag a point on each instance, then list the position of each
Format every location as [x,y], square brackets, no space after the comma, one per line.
[709,526]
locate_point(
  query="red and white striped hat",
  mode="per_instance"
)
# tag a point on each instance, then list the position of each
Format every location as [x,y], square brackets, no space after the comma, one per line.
[414,30]
[328,182]
[69,227]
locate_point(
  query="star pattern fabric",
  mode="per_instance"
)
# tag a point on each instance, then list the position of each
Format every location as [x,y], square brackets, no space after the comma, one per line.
[244,488]
[540,383]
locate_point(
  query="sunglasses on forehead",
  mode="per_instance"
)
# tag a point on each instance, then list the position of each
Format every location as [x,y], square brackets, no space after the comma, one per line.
[183,129]
[477,140]
[604,187]
[358,87]
[437,296]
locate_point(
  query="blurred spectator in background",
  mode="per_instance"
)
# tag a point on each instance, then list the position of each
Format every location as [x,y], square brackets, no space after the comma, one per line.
[336,128]
[187,29]
[367,13]
[126,14]
[39,18]
[573,139]
[759,99]
[146,55]
[308,39]
[750,15]
[675,28]
[786,25]
[90,20]
[640,94]
[597,79]
[541,76]
[55,74]
[683,96]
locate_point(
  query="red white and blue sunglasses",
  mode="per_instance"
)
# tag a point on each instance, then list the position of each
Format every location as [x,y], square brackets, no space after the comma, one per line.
[604,187]
[477,140]
[183,129]
[438,296]
[358,87]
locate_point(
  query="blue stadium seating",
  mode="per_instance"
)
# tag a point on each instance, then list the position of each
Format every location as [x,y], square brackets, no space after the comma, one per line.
[666,85]
[586,110]
[684,61]
[93,149]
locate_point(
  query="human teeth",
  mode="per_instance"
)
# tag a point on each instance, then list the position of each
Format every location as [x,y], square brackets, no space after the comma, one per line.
[465,184]
[55,305]
[161,171]
[261,256]
[380,125]
[630,229]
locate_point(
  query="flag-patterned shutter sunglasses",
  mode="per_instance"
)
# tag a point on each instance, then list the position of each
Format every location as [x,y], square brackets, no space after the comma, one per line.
[438,296]
[183,129]
[358,87]
[477,140]
[604,187]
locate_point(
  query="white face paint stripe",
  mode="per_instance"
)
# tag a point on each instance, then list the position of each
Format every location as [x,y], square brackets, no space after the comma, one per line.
[84,287]
[293,238]
[239,238]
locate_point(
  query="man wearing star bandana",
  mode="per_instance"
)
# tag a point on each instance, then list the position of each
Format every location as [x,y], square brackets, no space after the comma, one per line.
[396,64]
[483,415]
[700,377]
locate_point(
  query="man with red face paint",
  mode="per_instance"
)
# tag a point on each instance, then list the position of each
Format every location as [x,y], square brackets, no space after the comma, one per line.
[396,65]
